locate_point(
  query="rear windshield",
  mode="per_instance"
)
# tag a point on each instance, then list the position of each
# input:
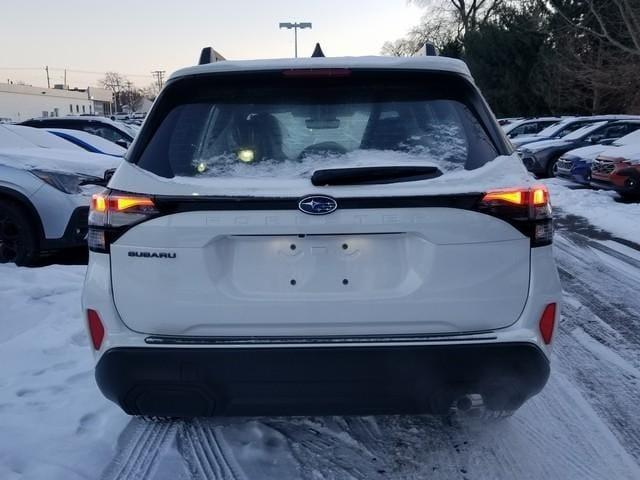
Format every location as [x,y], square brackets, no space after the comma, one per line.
[275,125]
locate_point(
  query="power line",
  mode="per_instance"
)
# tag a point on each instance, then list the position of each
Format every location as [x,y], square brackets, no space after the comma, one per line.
[159,76]
[89,72]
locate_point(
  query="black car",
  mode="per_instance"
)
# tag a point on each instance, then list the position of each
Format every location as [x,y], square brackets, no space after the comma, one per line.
[100,126]
[541,158]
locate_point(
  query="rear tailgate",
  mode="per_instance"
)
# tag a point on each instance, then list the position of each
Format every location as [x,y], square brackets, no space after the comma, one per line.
[358,271]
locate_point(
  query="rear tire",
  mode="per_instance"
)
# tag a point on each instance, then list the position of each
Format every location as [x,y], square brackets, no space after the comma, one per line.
[18,238]
[552,168]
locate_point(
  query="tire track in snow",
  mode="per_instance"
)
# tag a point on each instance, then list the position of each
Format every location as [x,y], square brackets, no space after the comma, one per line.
[322,451]
[206,452]
[599,341]
[140,447]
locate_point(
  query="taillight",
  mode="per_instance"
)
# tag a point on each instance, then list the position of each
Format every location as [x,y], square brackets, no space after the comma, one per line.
[548,322]
[527,209]
[111,213]
[96,329]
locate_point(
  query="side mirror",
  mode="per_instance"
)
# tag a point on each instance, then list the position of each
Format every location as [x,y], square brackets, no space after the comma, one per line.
[595,139]
[607,141]
[123,143]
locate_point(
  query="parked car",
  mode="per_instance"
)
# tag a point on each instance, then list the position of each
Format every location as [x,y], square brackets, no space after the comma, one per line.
[103,127]
[529,126]
[30,137]
[541,158]
[89,142]
[575,165]
[567,126]
[506,121]
[44,196]
[618,169]
[120,116]
[383,256]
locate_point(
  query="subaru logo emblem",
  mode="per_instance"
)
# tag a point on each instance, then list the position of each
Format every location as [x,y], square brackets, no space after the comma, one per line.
[317,205]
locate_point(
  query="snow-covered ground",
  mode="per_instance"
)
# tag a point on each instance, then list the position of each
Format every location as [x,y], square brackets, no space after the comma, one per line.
[602,208]
[54,424]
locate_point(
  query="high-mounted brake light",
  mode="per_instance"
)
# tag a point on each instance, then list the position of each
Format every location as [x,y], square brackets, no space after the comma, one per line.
[527,209]
[317,72]
[110,212]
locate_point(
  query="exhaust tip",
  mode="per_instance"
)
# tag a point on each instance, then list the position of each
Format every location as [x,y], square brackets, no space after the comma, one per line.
[469,403]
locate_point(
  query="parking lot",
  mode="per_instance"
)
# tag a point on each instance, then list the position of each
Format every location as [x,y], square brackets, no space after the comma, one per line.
[55,423]
[394,239]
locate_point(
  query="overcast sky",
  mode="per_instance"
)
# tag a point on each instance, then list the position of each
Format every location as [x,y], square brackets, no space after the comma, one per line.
[135,37]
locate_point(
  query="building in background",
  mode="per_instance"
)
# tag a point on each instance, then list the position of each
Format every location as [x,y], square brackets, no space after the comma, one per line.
[21,102]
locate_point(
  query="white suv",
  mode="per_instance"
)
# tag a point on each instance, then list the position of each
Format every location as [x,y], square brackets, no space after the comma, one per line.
[321,236]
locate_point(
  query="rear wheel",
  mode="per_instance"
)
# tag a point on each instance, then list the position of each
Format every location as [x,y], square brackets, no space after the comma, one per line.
[18,240]
[633,185]
[552,168]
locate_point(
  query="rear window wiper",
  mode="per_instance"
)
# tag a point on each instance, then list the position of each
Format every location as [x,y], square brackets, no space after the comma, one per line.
[372,175]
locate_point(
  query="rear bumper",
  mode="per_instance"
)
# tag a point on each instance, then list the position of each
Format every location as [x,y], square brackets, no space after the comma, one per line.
[320,380]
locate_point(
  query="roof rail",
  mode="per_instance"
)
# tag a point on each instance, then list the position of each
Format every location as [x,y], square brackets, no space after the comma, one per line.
[209,55]
[317,52]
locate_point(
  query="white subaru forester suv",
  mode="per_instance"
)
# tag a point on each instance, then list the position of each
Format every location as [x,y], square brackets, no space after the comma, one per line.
[321,236]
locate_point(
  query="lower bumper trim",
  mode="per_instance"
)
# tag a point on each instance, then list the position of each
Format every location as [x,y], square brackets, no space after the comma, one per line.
[190,382]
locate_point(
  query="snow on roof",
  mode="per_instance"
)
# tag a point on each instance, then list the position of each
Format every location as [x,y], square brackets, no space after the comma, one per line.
[84,118]
[440,64]
[58,160]
[34,137]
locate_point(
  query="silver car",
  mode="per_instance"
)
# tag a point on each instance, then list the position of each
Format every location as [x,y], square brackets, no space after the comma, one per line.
[45,187]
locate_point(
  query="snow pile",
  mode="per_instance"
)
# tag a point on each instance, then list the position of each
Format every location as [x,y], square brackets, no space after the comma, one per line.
[54,423]
[601,208]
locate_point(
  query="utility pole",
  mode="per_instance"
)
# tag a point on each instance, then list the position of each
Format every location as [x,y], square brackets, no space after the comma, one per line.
[65,79]
[159,75]
[295,26]
[46,69]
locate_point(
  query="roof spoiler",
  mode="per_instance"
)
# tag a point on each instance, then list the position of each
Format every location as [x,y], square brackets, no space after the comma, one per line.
[209,55]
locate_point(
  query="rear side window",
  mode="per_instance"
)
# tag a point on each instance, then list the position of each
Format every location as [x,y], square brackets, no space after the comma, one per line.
[273,125]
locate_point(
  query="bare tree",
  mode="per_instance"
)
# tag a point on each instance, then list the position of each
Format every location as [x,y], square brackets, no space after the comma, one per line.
[115,82]
[125,93]
[468,14]
[616,22]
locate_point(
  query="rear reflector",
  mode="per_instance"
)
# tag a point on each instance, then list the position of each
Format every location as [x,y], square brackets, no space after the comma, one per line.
[96,329]
[547,322]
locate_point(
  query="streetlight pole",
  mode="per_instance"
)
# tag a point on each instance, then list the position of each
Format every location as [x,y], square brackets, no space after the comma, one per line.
[295,26]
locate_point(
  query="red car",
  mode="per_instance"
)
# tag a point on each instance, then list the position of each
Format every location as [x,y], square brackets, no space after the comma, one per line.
[619,172]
